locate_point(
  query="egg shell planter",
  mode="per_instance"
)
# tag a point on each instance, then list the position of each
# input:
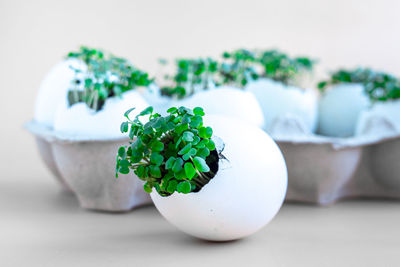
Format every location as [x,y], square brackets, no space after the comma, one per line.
[323,170]
[87,167]
[239,187]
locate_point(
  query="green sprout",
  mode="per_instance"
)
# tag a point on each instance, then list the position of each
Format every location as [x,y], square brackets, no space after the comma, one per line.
[191,75]
[106,76]
[379,86]
[174,153]
[238,68]
[280,67]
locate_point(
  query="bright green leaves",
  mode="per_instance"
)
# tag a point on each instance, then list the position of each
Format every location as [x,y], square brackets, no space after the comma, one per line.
[198,111]
[205,132]
[201,164]
[156,158]
[106,76]
[379,86]
[190,171]
[183,187]
[177,167]
[185,149]
[168,153]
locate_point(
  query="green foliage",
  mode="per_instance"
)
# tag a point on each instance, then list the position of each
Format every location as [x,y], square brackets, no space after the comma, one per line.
[379,86]
[191,75]
[171,153]
[106,76]
[280,67]
[239,67]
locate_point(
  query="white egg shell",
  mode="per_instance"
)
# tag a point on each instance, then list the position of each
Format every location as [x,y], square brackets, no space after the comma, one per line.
[53,90]
[277,99]
[340,108]
[382,118]
[80,121]
[227,101]
[242,197]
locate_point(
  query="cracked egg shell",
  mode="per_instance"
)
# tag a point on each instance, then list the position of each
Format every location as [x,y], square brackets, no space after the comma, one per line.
[80,121]
[243,196]
[277,99]
[53,90]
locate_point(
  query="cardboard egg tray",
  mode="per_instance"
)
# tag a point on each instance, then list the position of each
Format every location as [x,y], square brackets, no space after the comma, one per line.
[323,170]
[86,167]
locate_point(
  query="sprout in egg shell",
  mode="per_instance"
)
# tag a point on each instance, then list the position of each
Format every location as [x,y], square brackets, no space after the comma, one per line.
[280,67]
[171,153]
[238,68]
[191,75]
[106,76]
[379,86]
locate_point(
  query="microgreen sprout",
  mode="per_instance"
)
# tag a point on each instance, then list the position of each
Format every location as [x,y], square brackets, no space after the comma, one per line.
[282,68]
[379,86]
[106,76]
[238,67]
[191,75]
[173,153]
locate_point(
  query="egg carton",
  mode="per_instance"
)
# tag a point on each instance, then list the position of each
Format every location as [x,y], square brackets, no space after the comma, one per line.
[323,170]
[86,167]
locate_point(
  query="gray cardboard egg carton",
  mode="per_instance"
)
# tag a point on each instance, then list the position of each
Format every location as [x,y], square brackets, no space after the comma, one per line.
[86,167]
[323,170]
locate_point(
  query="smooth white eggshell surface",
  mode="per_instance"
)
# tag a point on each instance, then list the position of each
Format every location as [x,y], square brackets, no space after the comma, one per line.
[53,90]
[227,101]
[241,198]
[277,99]
[389,111]
[80,121]
[340,108]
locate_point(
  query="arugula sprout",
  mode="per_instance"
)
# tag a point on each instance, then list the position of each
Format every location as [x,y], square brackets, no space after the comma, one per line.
[238,68]
[280,67]
[174,153]
[379,86]
[191,75]
[106,76]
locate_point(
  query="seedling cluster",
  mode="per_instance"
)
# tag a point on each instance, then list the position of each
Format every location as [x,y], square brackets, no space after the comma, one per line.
[236,68]
[379,86]
[173,153]
[106,76]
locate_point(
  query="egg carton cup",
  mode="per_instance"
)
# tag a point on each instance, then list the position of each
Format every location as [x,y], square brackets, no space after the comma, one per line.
[86,167]
[323,170]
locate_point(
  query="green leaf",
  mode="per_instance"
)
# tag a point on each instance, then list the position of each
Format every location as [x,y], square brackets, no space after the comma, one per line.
[198,111]
[210,145]
[122,152]
[205,132]
[181,175]
[196,122]
[187,136]
[146,111]
[172,110]
[156,158]
[177,165]
[140,172]
[190,171]
[203,152]
[184,187]
[185,149]
[126,114]
[124,127]
[172,184]
[147,188]
[170,163]
[157,146]
[201,164]
[155,171]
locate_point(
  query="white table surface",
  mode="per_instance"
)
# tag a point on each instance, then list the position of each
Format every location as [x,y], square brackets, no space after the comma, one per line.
[41,226]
